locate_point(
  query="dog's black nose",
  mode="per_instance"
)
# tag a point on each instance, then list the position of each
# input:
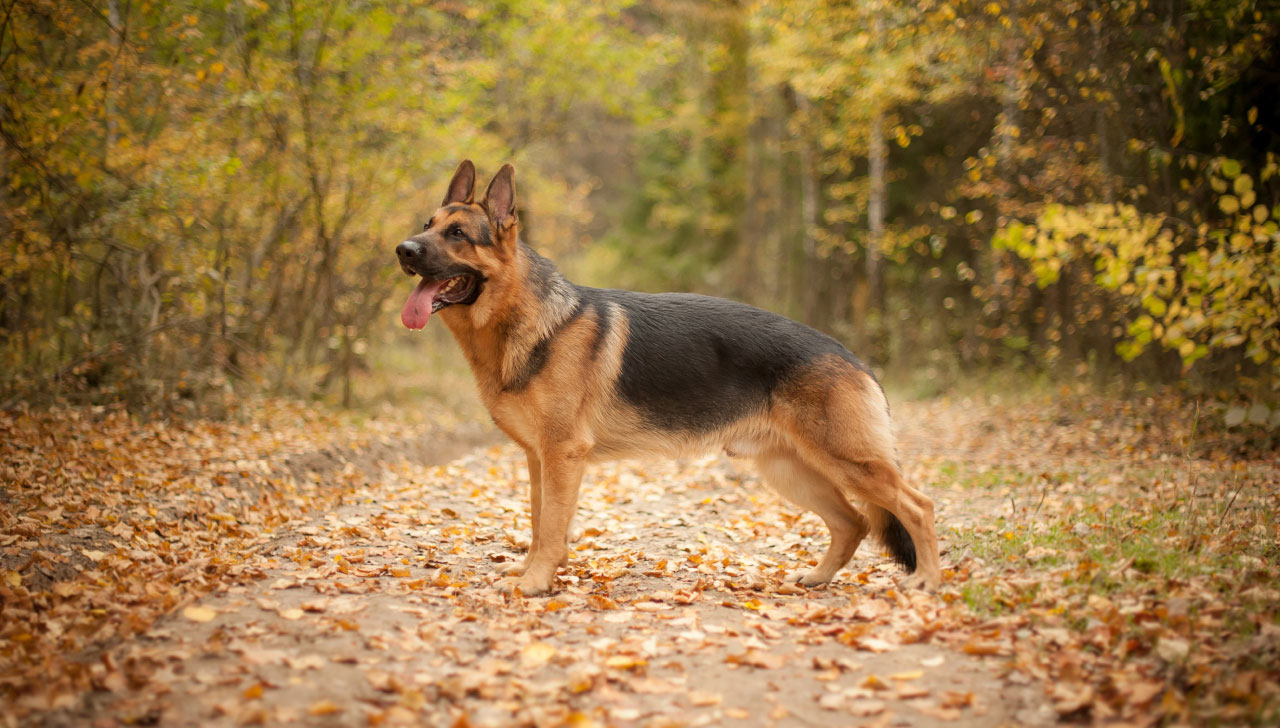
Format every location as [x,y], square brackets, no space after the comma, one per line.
[408,250]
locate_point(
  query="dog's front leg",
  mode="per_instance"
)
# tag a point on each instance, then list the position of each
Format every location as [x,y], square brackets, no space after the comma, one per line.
[535,507]
[555,504]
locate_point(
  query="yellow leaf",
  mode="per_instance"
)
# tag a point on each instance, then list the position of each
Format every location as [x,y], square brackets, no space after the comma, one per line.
[1253,115]
[704,700]
[595,601]
[13,578]
[1260,213]
[324,707]
[578,719]
[199,614]
[625,662]
[290,613]
[874,683]
[1229,203]
[536,654]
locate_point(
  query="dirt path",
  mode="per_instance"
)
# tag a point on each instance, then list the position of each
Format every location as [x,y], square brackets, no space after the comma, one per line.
[675,610]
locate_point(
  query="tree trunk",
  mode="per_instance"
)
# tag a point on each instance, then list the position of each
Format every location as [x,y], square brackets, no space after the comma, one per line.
[809,218]
[109,107]
[877,159]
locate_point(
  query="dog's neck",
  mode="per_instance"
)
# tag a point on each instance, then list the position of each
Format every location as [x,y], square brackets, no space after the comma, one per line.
[513,314]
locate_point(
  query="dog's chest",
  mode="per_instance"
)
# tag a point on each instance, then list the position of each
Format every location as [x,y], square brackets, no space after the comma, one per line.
[512,418]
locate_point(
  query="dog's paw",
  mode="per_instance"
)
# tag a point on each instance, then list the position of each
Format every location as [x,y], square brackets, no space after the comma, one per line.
[528,586]
[924,582]
[812,579]
[515,568]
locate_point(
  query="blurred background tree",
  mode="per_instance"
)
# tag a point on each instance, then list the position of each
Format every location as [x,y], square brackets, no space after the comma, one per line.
[201,197]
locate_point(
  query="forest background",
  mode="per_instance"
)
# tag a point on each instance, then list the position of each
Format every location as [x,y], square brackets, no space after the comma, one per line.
[201,199]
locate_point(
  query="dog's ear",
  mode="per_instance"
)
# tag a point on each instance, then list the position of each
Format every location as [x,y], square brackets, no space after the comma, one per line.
[462,188]
[500,201]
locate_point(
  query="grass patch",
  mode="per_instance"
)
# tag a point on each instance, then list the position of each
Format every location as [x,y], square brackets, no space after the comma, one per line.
[1159,571]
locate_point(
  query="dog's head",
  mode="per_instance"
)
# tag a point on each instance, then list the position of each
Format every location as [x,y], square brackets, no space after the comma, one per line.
[463,247]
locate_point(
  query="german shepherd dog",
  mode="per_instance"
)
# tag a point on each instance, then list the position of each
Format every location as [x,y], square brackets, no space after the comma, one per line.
[574,374]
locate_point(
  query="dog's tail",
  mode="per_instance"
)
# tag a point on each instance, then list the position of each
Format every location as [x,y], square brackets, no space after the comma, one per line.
[894,536]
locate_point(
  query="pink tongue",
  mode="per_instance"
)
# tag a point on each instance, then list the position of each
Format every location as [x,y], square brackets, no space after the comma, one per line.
[418,308]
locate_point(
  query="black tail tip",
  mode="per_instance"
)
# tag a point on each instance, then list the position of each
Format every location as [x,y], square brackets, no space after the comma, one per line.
[899,543]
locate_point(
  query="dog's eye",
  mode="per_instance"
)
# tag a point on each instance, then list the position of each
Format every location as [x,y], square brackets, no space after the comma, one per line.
[427,226]
[457,232]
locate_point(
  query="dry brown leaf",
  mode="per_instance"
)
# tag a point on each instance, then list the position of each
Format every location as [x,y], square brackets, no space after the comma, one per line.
[865,707]
[704,700]
[595,601]
[536,654]
[324,707]
[874,644]
[1071,697]
[199,614]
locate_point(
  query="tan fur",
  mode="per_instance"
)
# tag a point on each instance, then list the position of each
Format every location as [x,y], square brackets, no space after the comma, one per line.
[824,440]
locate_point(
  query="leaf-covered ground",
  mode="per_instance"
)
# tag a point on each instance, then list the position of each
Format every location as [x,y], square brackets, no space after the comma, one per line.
[1107,563]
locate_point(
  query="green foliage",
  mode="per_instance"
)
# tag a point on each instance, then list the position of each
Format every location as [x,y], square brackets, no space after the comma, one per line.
[1214,288]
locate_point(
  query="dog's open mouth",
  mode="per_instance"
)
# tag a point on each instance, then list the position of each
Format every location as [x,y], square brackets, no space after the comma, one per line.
[431,296]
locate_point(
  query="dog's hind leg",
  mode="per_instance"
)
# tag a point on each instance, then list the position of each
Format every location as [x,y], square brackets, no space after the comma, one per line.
[807,488]
[839,423]
[893,506]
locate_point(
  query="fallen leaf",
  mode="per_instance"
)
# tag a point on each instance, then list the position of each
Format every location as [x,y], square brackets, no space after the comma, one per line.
[874,644]
[1172,649]
[909,691]
[756,658]
[625,662]
[1071,697]
[595,601]
[536,654]
[703,700]
[866,707]
[324,707]
[981,648]
[1141,693]
[831,701]
[947,714]
[199,614]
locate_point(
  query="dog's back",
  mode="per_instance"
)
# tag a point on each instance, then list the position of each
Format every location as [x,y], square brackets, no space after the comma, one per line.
[697,363]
